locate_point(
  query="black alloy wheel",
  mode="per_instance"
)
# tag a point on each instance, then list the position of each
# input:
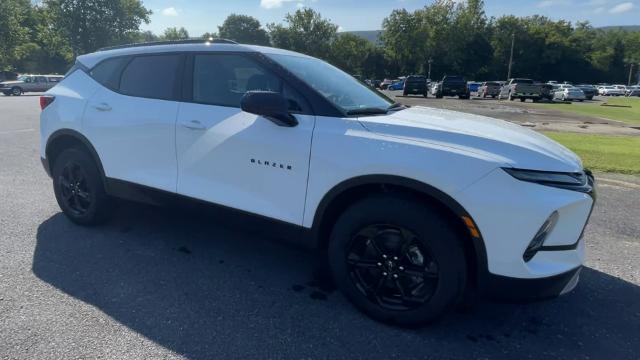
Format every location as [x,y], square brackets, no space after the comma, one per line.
[389,266]
[79,188]
[74,189]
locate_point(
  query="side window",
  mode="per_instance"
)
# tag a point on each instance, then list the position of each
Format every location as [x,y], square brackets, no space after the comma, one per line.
[108,72]
[223,79]
[41,79]
[154,76]
[28,79]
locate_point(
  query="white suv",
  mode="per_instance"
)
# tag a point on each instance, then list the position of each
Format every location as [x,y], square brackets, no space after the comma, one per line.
[412,207]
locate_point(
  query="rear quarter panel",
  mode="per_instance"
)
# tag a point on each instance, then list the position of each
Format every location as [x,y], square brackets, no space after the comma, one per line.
[66,112]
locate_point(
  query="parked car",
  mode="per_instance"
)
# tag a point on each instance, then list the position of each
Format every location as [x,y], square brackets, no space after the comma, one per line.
[547,91]
[412,208]
[434,88]
[385,84]
[453,86]
[398,85]
[522,89]
[569,93]
[633,90]
[589,90]
[489,88]
[376,83]
[415,85]
[473,86]
[610,91]
[29,83]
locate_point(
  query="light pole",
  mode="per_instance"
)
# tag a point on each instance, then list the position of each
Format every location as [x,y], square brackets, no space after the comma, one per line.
[630,74]
[429,74]
[513,41]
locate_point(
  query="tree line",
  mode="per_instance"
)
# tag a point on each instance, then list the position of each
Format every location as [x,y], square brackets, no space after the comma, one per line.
[450,37]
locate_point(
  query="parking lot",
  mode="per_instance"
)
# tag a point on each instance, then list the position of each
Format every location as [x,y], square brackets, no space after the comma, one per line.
[169,283]
[527,114]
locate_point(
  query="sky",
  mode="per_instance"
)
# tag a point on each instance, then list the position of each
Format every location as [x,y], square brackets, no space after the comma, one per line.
[200,16]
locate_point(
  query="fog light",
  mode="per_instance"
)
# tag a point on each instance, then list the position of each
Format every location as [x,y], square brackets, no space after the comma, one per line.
[538,241]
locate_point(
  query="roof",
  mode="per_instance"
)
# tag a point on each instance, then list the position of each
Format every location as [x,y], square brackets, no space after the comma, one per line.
[90,60]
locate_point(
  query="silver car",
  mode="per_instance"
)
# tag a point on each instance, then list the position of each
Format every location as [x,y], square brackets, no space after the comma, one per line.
[566,92]
[29,83]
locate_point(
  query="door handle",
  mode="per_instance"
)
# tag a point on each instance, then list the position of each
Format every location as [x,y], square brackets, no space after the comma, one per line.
[194,125]
[102,107]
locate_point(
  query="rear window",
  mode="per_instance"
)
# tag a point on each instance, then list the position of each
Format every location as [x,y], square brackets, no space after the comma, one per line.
[154,77]
[108,72]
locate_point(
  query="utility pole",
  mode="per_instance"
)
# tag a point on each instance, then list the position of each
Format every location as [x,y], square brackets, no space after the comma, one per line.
[513,42]
[429,75]
[630,74]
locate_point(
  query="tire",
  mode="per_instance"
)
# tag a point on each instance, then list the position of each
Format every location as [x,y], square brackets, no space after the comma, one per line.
[426,95]
[523,99]
[439,96]
[494,96]
[432,251]
[79,188]
[16,91]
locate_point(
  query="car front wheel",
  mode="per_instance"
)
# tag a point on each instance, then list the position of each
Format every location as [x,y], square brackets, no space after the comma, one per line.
[79,188]
[16,91]
[397,260]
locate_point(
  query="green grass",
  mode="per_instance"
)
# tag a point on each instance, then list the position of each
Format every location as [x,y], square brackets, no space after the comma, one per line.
[627,115]
[620,154]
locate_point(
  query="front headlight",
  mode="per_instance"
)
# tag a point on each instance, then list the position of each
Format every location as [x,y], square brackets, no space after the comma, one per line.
[578,181]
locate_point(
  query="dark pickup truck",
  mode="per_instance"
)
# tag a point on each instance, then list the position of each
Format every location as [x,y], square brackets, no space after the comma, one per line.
[453,86]
[415,84]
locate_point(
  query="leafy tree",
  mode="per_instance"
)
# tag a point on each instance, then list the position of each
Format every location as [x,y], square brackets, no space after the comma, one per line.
[14,31]
[348,52]
[209,35]
[91,24]
[243,29]
[174,33]
[306,31]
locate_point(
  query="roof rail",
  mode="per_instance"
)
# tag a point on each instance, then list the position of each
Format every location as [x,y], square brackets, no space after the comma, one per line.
[170,42]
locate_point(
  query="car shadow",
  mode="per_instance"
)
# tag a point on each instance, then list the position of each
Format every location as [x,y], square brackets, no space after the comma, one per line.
[204,289]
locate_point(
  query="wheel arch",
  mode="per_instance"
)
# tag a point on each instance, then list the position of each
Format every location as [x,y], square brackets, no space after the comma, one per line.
[63,139]
[351,190]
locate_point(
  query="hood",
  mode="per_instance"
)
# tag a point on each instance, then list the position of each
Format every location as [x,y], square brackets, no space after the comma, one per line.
[507,144]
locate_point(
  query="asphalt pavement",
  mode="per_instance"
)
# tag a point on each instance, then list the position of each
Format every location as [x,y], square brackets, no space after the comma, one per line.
[165,283]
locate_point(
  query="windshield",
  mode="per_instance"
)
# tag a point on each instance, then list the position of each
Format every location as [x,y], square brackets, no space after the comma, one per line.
[340,88]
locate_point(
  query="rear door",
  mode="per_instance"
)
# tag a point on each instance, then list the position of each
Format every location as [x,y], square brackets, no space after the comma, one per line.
[237,159]
[131,119]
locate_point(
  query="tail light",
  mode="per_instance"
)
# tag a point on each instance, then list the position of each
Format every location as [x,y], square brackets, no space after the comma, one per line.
[46,101]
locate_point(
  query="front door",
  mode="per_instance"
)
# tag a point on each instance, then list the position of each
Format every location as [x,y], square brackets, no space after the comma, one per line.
[237,159]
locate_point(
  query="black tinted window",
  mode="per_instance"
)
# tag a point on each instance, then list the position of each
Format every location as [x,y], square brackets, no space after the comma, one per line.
[224,79]
[152,76]
[108,72]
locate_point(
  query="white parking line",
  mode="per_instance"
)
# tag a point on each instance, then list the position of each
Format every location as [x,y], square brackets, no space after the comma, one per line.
[16,131]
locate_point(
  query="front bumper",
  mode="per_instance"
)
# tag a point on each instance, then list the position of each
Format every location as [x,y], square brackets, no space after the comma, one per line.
[509,212]
[515,289]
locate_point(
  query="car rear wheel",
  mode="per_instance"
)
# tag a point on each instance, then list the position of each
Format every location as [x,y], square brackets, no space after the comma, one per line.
[16,91]
[397,260]
[79,188]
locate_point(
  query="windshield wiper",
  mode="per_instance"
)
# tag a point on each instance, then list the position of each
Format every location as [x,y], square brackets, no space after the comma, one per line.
[396,106]
[367,111]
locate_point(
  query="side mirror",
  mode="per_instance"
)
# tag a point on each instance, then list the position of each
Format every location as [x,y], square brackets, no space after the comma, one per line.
[271,105]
